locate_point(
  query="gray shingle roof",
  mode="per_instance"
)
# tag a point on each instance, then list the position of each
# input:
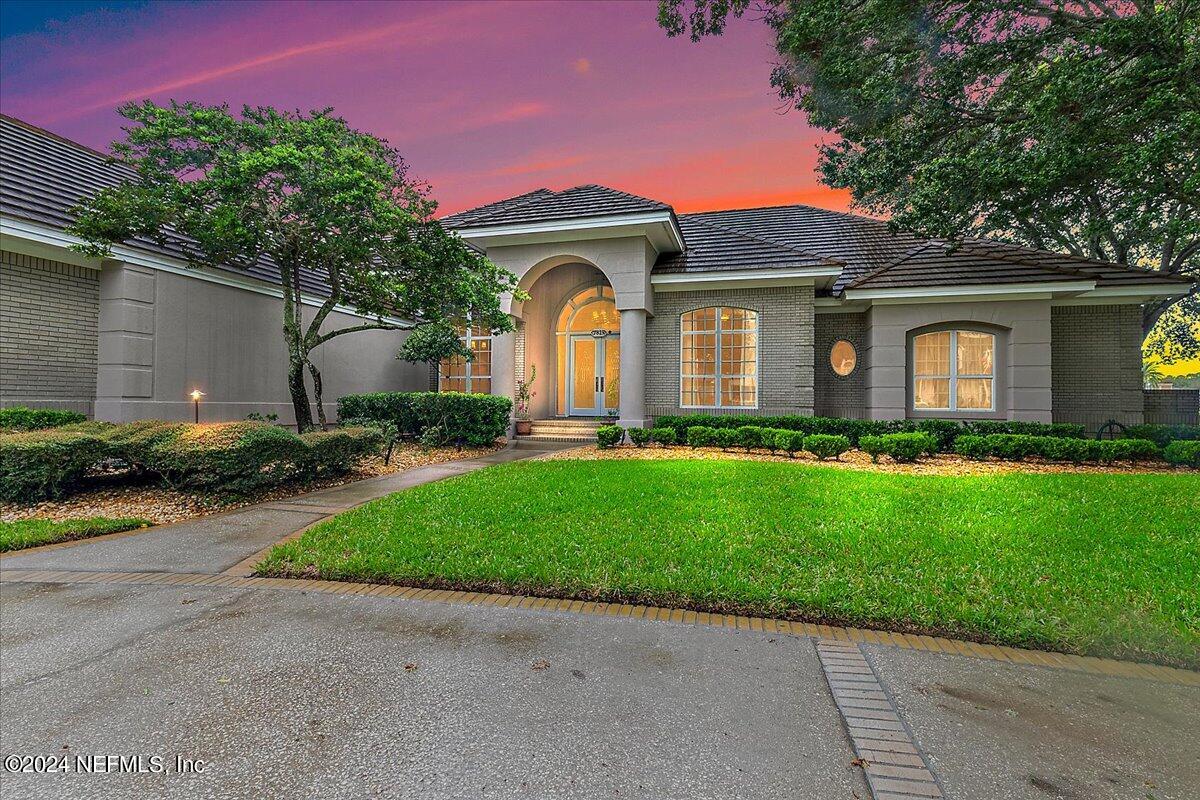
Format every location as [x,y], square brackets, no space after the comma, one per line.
[43,175]
[712,247]
[543,205]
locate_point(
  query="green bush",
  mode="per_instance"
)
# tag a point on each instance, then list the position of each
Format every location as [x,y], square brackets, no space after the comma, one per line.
[825,445]
[1136,450]
[609,436]
[20,418]
[36,465]
[474,419]
[1060,430]
[640,436]
[1012,446]
[664,436]
[1183,452]
[770,438]
[1074,450]
[726,438]
[750,437]
[1163,435]
[338,451]
[700,436]
[791,442]
[905,448]
[236,457]
[943,432]
[972,446]
[874,446]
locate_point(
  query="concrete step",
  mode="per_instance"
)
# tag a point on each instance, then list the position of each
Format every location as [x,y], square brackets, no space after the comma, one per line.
[548,443]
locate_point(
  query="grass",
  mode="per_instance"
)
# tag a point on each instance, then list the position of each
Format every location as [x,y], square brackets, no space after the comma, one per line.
[35,532]
[1095,564]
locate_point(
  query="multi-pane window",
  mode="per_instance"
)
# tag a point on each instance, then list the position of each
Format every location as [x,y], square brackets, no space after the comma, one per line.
[719,358]
[460,375]
[954,371]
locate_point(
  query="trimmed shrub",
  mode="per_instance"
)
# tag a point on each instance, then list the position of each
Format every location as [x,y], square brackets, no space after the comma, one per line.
[1073,450]
[1163,435]
[905,448]
[36,465]
[1061,430]
[1012,446]
[338,451]
[1136,450]
[726,438]
[1183,452]
[609,436]
[640,436]
[750,437]
[701,436]
[874,446]
[791,442]
[972,446]
[20,418]
[943,432]
[474,419]
[237,457]
[825,445]
[664,436]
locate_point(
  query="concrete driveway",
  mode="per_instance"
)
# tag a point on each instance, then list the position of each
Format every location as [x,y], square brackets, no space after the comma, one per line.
[228,691]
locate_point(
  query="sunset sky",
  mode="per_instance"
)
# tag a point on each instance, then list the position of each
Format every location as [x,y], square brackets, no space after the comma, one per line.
[484,100]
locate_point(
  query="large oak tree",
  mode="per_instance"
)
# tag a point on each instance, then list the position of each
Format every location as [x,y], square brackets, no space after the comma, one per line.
[303,193]
[1069,126]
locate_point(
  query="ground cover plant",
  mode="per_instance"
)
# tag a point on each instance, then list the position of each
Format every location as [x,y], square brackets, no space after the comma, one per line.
[1090,563]
[35,532]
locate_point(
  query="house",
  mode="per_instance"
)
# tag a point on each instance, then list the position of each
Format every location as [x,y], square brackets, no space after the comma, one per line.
[633,311]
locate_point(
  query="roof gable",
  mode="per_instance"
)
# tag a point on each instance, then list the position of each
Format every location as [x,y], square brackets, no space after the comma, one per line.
[544,205]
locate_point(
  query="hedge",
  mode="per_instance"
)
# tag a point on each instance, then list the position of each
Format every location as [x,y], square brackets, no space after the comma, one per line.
[1014,447]
[609,436]
[20,418]
[231,457]
[945,432]
[475,419]
[1163,435]
[1183,452]
[903,448]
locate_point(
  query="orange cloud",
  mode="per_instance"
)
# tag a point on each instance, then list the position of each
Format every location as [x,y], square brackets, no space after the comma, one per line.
[543,165]
[820,196]
[581,65]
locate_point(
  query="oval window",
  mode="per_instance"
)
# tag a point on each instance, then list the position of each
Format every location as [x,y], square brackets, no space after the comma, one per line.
[843,357]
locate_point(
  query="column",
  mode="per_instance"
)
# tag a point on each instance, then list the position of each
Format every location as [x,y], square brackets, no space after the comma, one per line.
[125,363]
[504,366]
[633,368]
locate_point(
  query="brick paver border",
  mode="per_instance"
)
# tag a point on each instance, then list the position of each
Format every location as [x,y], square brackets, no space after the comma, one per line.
[906,641]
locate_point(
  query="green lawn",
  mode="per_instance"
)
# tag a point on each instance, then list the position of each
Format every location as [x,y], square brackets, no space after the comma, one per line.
[1098,564]
[34,532]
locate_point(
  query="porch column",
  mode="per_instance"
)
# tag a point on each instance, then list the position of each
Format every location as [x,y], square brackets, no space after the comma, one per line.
[633,368]
[504,366]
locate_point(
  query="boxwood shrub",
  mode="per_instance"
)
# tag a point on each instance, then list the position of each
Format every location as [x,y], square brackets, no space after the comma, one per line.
[337,451]
[700,436]
[236,457]
[664,436]
[20,418]
[639,436]
[35,465]
[750,437]
[972,446]
[475,419]
[874,446]
[1163,435]
[791,442]
[906,448]
[826,445]
[1183,452]
[726,438]
[609,436]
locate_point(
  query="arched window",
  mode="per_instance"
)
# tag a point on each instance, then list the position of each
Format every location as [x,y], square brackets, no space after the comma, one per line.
[474,376]
[719,358]
[954,370]
[590,312]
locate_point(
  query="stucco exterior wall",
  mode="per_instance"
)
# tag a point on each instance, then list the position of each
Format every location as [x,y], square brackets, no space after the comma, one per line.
[785,342]
[1023,390]
[1097,358]
[49,314]
[836,395]
[625,262]
[163,334]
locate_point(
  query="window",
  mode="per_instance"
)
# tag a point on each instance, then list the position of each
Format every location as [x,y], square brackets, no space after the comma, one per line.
[459,375]
[843,358]
[954,371]
[719,358]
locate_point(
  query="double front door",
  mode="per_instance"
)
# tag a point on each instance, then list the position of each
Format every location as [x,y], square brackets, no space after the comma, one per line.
[594,370]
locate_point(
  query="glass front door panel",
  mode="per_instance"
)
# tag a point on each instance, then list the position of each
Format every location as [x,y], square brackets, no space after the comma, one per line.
[612,374]
[584,373]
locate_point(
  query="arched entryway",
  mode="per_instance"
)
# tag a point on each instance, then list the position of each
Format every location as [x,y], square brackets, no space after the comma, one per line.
[588,353]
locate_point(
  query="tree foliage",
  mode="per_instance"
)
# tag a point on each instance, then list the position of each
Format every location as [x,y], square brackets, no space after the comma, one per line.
[434,343]
[307,195]
[1067,126]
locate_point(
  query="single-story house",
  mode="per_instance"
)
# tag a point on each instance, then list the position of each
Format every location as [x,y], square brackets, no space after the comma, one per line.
[633,311]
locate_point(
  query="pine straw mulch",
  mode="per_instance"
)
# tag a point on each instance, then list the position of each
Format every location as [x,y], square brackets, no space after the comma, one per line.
[941,464]
[161,505]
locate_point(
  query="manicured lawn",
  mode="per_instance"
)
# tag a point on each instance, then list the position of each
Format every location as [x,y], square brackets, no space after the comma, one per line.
[1099,564]
[34,532]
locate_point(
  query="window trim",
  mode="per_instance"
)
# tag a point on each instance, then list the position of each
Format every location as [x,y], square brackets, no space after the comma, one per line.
[718,374]
[467,338]
[953,374]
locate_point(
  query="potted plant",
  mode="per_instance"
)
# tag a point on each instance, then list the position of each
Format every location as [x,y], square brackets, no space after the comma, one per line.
[525,394]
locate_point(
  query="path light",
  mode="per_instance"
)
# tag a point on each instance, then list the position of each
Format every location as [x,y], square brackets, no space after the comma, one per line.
[196,395]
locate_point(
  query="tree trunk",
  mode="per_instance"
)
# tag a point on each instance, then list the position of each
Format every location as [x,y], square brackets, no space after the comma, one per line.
[299,393]
[318,395]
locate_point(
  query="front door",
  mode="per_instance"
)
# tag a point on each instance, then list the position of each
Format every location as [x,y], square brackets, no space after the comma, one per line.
[594,367]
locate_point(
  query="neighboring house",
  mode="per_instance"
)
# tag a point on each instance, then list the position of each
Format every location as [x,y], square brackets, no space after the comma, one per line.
[633,312]
[129,338]
[636,311]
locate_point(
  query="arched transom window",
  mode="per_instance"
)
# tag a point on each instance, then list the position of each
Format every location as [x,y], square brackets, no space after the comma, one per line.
[591,311]
[954,371]
[459,375]
[719,358]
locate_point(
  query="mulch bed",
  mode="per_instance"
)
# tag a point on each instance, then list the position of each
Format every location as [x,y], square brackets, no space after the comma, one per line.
[941,464]
[161,505]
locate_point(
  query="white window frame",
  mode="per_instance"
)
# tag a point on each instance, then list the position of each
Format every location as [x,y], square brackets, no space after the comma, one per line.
[953,376]
[467,339]
[718,375]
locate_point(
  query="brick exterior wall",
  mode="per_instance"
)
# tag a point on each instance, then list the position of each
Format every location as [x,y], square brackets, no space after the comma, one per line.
[49,313]
[785,347]
[1172,406]
[838,396]
[1096,364]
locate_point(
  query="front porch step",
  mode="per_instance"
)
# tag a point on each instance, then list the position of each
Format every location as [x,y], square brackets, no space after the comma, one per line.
[562,431]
